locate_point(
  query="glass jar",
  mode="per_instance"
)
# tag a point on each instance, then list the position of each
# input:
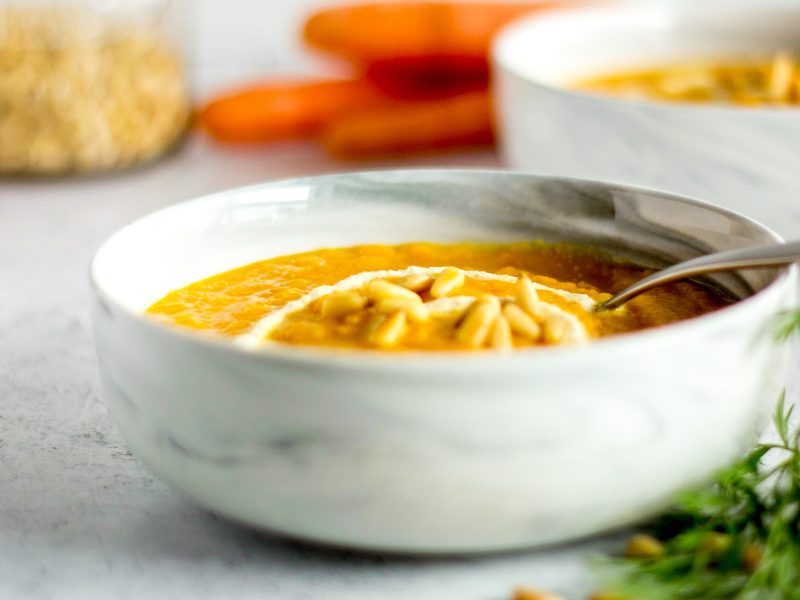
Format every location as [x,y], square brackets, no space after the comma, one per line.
[89,85]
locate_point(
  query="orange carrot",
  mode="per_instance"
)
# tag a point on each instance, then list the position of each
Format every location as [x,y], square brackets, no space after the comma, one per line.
[369,33]
[464,120]
[283,110]
[428,77]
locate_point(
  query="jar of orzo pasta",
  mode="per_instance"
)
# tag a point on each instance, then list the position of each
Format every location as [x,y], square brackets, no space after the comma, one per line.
[89,85]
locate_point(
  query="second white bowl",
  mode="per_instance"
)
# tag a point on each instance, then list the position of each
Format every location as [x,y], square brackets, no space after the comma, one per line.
[745,159]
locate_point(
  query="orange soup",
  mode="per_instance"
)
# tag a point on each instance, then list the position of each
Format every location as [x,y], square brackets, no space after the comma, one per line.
[427,296]
[745,83]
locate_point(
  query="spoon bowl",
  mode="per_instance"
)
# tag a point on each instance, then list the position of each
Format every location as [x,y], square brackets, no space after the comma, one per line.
[755,257]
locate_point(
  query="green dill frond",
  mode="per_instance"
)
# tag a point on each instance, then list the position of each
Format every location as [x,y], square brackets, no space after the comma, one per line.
[738,539]
[786,324]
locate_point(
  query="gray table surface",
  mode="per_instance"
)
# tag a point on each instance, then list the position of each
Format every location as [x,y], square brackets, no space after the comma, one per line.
[82,518]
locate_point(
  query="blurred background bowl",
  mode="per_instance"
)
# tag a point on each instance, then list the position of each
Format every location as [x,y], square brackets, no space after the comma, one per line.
[741,158]
[434,453]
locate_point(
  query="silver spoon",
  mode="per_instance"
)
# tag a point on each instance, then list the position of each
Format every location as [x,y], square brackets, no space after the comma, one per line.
[755,257]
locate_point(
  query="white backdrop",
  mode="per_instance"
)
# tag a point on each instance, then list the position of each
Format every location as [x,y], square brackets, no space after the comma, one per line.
[236,40]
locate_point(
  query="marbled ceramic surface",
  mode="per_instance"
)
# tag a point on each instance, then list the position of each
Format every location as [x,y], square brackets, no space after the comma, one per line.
[434,454]
[743,159]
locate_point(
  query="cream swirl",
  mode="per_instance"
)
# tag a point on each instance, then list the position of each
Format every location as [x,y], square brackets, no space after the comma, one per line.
[258,335]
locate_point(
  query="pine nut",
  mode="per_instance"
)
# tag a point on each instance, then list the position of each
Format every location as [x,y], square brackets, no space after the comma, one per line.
[781,78]
[501,334]
[390,330]
[522,323]
[608,596]
[527,593]
[477,325]
[644,546]
[493,300]
[417,282]
[455,315]
[527,298]
[715,543]
[752,556]
[383,290]
[554,329]
[342,304]
[448,281]
[373,324]
[416,311]
[352,319]
[392,305]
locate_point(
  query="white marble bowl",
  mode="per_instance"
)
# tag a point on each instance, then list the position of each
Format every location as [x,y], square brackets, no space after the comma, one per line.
[746,159]
[433,453]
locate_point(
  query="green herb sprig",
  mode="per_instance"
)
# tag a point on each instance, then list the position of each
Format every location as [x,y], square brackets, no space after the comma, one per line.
[786,324]
[738,539]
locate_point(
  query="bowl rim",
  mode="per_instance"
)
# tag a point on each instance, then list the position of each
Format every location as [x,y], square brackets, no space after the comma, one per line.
[433,362]
[503,44]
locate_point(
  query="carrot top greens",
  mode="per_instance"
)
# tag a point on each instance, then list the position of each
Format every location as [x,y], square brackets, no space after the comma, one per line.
[738,539]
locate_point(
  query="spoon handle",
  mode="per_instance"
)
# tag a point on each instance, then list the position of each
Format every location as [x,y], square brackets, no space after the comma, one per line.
[755,257]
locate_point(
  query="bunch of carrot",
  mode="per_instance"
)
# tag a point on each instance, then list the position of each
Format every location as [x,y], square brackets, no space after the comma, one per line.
[420,82]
